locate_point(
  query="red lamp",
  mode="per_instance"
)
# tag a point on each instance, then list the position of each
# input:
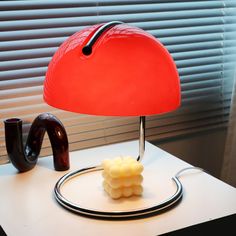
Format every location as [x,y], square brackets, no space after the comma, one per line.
[113,69]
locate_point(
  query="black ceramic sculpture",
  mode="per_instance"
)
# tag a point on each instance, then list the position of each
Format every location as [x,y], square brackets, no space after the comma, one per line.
[25,158]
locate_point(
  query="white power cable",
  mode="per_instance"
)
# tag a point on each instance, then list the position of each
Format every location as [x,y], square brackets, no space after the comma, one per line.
[177,175]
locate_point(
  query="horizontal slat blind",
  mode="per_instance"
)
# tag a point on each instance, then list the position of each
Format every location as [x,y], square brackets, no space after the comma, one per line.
[198,34]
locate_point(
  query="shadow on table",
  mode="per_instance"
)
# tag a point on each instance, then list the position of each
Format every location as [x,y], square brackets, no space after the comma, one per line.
[222,226]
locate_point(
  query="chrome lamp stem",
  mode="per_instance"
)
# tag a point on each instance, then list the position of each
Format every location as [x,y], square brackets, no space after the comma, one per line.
[141,138]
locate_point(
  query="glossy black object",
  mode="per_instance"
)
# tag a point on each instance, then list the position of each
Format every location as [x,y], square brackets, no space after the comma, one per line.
[25,158]
[87,49]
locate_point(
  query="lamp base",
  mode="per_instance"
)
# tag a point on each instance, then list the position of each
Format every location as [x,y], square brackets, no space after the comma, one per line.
[112,215]
[145,212]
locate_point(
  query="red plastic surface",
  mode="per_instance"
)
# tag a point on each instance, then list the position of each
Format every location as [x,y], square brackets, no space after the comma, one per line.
[129,73]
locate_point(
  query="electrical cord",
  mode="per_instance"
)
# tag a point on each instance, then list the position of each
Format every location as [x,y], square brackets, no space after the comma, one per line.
[177,175]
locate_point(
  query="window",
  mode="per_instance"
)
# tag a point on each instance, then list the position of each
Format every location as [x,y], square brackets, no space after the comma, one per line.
[198,34]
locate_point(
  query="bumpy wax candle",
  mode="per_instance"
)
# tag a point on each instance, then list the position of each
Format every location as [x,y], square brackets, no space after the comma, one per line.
[122,177]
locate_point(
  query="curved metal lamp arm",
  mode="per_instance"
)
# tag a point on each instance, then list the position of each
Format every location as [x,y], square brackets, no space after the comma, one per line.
[25,159]
[87,49]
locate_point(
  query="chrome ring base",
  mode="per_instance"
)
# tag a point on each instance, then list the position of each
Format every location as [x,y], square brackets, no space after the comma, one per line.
[112,215]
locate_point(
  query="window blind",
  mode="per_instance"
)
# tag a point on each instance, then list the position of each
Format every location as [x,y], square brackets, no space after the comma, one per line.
[198,34]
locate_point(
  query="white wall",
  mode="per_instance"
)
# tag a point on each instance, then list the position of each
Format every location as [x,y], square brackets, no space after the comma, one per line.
[204,149]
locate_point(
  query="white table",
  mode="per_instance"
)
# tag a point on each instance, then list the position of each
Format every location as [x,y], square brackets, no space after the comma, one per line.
[28,207]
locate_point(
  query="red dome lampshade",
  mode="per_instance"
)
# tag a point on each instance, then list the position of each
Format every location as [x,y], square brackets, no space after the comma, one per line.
[122,71]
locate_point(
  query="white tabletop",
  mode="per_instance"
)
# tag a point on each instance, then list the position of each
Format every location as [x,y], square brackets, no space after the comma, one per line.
[28,207]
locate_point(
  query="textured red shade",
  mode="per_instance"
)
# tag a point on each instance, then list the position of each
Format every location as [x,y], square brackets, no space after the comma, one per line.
[129,73]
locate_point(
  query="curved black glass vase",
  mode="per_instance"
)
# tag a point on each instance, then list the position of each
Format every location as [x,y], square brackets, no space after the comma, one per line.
[25,158]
